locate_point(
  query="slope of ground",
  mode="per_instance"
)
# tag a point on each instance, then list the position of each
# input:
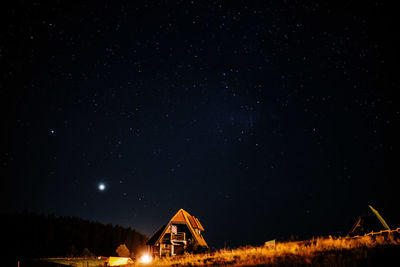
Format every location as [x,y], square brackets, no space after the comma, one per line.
[377,249]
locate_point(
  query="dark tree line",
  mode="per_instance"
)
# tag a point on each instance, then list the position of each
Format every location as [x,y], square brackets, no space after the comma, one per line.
[29,235]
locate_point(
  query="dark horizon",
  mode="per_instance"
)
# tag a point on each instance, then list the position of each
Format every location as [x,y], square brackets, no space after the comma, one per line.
[262,119]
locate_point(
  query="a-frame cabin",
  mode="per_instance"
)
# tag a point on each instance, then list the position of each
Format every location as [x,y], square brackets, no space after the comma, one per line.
[182,233]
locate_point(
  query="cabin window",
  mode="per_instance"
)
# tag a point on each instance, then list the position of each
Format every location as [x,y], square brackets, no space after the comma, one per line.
[174,229]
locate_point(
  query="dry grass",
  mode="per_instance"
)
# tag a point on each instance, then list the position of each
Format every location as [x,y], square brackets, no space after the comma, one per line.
[329,251]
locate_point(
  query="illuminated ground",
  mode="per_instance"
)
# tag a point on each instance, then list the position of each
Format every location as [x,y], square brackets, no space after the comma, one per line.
[371,250]
[377,249]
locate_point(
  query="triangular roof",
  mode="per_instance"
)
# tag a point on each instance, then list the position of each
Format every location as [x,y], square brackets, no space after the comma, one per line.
[181,217]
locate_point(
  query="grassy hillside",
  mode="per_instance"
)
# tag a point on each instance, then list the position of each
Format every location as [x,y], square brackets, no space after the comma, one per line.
[375,249]
[370,250]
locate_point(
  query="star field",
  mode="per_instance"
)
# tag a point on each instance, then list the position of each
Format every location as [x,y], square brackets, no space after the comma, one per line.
[249,115]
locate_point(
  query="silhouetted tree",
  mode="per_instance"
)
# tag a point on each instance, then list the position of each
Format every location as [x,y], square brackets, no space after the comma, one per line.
[86,253]
[72,251]
[123,251]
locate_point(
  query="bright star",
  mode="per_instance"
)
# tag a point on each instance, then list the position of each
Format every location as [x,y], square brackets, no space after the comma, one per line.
[102,187]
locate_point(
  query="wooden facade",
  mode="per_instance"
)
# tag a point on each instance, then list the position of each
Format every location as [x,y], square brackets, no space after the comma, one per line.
[182,233]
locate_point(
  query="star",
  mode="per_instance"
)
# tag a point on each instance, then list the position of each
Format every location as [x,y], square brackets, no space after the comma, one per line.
[101,186]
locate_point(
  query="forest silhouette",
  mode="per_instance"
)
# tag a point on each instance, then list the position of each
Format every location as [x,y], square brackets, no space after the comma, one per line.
[30,235]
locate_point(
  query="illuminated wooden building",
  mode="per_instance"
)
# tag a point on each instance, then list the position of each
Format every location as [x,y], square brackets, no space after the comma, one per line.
[182,233]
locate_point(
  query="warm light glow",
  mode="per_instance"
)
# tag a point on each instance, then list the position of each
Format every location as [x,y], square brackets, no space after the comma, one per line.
[145,258]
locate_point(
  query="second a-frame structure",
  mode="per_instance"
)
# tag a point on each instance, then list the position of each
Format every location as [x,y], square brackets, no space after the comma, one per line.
[370,222]
[182,233]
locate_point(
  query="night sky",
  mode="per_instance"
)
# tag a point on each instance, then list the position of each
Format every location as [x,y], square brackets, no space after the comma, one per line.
[261,118]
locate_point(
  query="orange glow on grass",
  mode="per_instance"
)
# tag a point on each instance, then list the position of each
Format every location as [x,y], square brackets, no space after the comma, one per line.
[329,250]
